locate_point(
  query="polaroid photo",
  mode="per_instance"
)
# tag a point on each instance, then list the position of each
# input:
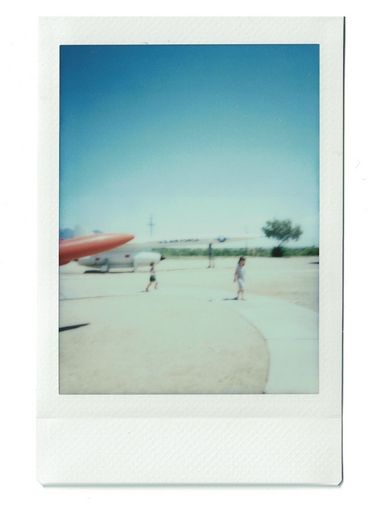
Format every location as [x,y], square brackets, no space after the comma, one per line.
[191,232]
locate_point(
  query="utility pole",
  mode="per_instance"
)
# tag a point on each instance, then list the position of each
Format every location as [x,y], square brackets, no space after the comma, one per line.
[151,224]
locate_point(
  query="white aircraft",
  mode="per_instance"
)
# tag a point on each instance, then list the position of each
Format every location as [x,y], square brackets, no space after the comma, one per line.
[139,254]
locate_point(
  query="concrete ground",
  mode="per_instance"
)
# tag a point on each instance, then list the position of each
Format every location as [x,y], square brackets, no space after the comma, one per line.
[190,336]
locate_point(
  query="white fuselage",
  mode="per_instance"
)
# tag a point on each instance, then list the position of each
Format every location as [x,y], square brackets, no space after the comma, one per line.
[129,256]
[139,254]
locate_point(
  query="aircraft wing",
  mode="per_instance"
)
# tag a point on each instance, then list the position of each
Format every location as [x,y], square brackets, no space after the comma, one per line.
[194,241]
[78,247]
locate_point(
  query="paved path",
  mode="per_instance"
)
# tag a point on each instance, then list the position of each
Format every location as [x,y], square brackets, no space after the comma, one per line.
[290,331]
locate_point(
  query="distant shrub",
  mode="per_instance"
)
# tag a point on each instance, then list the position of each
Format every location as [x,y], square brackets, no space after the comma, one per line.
[301,251]
[236,252]
[277,252]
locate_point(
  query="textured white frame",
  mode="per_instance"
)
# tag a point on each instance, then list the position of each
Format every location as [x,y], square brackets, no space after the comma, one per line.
[193,439]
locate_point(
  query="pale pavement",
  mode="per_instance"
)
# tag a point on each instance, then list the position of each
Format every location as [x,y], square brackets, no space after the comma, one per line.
[190,336]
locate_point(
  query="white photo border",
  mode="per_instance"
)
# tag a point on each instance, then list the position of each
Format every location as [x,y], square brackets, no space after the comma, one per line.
[193,439]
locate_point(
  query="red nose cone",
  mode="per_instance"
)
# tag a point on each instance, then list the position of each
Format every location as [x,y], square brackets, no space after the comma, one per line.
[92,244]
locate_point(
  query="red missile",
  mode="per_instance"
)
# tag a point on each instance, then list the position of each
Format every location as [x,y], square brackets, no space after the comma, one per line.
[78,247]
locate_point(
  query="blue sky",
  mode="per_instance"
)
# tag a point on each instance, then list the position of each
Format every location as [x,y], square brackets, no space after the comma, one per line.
[208,139]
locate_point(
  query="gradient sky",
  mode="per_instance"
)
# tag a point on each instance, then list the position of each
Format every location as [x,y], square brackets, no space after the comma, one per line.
[208,139]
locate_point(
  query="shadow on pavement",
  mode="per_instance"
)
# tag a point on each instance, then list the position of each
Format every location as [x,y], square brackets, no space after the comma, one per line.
[71,327]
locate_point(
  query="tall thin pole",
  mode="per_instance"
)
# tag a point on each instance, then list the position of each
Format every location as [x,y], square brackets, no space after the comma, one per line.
[151,224]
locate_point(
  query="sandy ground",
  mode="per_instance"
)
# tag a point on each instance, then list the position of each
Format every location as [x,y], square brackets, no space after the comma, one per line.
[188,336]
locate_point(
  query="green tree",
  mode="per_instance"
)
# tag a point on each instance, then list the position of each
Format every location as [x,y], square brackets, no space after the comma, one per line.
[283,231]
